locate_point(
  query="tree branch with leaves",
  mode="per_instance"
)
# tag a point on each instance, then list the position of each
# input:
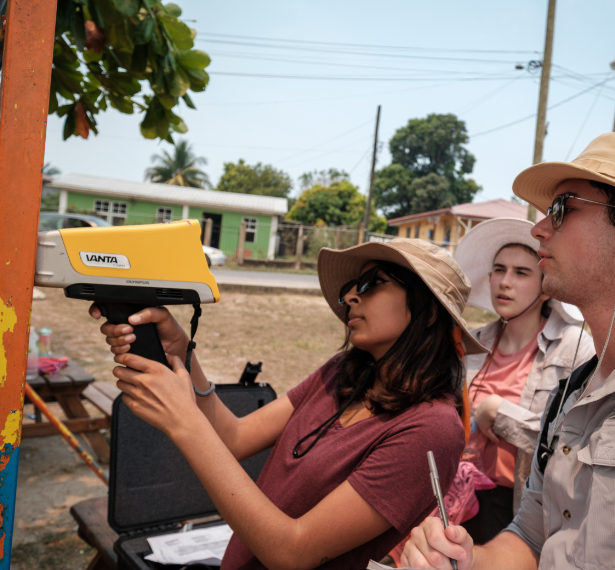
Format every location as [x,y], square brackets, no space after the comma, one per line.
[107,53]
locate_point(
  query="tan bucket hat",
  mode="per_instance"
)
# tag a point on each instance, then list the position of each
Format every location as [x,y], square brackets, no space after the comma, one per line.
[439,271]
[538,184]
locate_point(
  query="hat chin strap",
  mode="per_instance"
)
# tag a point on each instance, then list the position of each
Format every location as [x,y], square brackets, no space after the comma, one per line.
[498,338]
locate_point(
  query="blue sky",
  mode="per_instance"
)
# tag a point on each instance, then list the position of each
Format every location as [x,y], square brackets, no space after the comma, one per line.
[305,123]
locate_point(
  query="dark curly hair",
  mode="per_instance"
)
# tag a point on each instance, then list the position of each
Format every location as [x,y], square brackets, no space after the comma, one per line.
[422,366]
[609,191]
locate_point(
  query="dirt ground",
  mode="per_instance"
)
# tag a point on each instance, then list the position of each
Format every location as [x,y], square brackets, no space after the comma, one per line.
[291,334]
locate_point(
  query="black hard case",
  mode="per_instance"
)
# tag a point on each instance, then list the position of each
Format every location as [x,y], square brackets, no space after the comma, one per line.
[151,486]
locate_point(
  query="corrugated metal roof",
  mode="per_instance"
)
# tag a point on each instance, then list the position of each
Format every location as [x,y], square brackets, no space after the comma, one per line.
[165,193]
[499,208]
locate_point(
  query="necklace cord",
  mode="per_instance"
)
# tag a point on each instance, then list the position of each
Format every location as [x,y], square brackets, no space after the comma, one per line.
[582,395]
[498,338]
[327,424]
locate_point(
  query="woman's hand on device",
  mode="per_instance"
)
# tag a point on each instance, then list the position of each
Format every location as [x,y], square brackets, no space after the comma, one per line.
[119,337]
[485,415]
[163,398]
[431,546]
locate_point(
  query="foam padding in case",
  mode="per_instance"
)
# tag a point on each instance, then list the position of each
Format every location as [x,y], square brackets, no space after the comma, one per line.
[150,482]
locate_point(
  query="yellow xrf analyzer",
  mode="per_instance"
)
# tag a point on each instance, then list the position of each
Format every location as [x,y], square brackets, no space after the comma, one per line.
[127,268]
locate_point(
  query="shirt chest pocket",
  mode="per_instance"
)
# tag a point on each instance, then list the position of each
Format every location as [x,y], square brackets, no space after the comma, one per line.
[594,547]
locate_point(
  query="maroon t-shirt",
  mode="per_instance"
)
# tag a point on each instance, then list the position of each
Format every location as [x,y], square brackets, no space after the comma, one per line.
[383,457]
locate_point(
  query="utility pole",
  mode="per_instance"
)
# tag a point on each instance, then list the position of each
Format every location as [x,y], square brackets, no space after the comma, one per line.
[29,31]
[543,96]
[368,204]
[613,68]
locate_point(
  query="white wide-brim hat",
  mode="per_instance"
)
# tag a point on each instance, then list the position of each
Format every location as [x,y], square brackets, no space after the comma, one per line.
[477,250]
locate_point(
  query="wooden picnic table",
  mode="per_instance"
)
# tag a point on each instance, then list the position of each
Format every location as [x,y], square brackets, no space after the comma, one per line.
[69,388]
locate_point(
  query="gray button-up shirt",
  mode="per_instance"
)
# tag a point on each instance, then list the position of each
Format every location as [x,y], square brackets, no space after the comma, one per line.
[567,515]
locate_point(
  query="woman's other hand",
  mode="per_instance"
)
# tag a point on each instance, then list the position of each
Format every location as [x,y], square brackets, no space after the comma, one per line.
[432,546]
[163,398]
[119,337]
[485,415]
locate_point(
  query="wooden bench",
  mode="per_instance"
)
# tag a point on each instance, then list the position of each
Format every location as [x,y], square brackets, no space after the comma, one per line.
[91,516]
[68,389]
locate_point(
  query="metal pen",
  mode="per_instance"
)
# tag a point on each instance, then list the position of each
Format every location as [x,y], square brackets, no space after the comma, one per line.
[437,491]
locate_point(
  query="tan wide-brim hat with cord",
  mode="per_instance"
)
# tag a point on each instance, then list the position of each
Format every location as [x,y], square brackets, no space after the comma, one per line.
[538,184]
[439,271]
[477,250]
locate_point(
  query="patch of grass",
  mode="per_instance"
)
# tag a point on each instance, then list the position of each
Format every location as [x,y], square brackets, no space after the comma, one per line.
[55,551]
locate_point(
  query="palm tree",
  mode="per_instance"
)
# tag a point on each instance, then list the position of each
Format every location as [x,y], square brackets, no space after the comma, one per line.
[181,169]
[50,170]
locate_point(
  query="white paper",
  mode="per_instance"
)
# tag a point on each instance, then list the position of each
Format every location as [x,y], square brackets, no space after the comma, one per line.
[377,566]
[192,546]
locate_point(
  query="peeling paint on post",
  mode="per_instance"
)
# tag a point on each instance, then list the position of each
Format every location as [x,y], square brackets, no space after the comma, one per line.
[26,74]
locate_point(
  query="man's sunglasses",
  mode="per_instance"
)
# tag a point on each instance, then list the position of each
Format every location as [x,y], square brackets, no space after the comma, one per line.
[365,282]
[558,208]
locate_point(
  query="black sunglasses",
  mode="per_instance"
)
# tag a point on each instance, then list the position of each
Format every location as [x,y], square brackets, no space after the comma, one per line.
[558,208]
[365,282]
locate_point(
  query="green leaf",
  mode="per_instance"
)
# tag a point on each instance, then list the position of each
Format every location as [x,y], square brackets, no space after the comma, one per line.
[194,59]
[94,14]
[148,132]
[162,128]
[78,28]
[118,38]
[179,127]
[122,104]
[70,123]
[102,104]
[138,62]
[62,110]
[53,102]
[178,32]
[64,13]
[145,31]
[167,101]
[127,7]
[188,101]
[173,9]
[157,44]
[90,56]
[184,82]
[107,12]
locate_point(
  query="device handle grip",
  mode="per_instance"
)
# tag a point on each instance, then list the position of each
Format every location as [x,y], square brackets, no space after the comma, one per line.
[147,342]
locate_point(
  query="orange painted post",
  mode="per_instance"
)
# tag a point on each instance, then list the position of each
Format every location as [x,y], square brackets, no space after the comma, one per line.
[24,101]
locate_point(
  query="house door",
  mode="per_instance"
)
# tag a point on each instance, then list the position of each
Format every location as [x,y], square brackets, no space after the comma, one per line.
[215,229]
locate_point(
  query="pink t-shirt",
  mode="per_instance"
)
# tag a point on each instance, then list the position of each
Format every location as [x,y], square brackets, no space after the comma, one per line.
[506,377]
[384,458]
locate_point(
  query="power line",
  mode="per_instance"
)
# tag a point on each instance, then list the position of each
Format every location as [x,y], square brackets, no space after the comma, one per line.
[368,46]
[534,114]
[327,141]
[261,57]
[467,108]
[369,54]
[591,108]
[486,77]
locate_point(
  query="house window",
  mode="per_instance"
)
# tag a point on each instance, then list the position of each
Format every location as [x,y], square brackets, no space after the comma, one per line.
[447,234]
[250,229]
[417,231]
[118,213]
[164,215]
[101,207]
[430,234]
[113,212]
[408,232]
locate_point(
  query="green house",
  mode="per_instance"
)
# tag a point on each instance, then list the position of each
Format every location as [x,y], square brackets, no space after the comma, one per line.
[123,202]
